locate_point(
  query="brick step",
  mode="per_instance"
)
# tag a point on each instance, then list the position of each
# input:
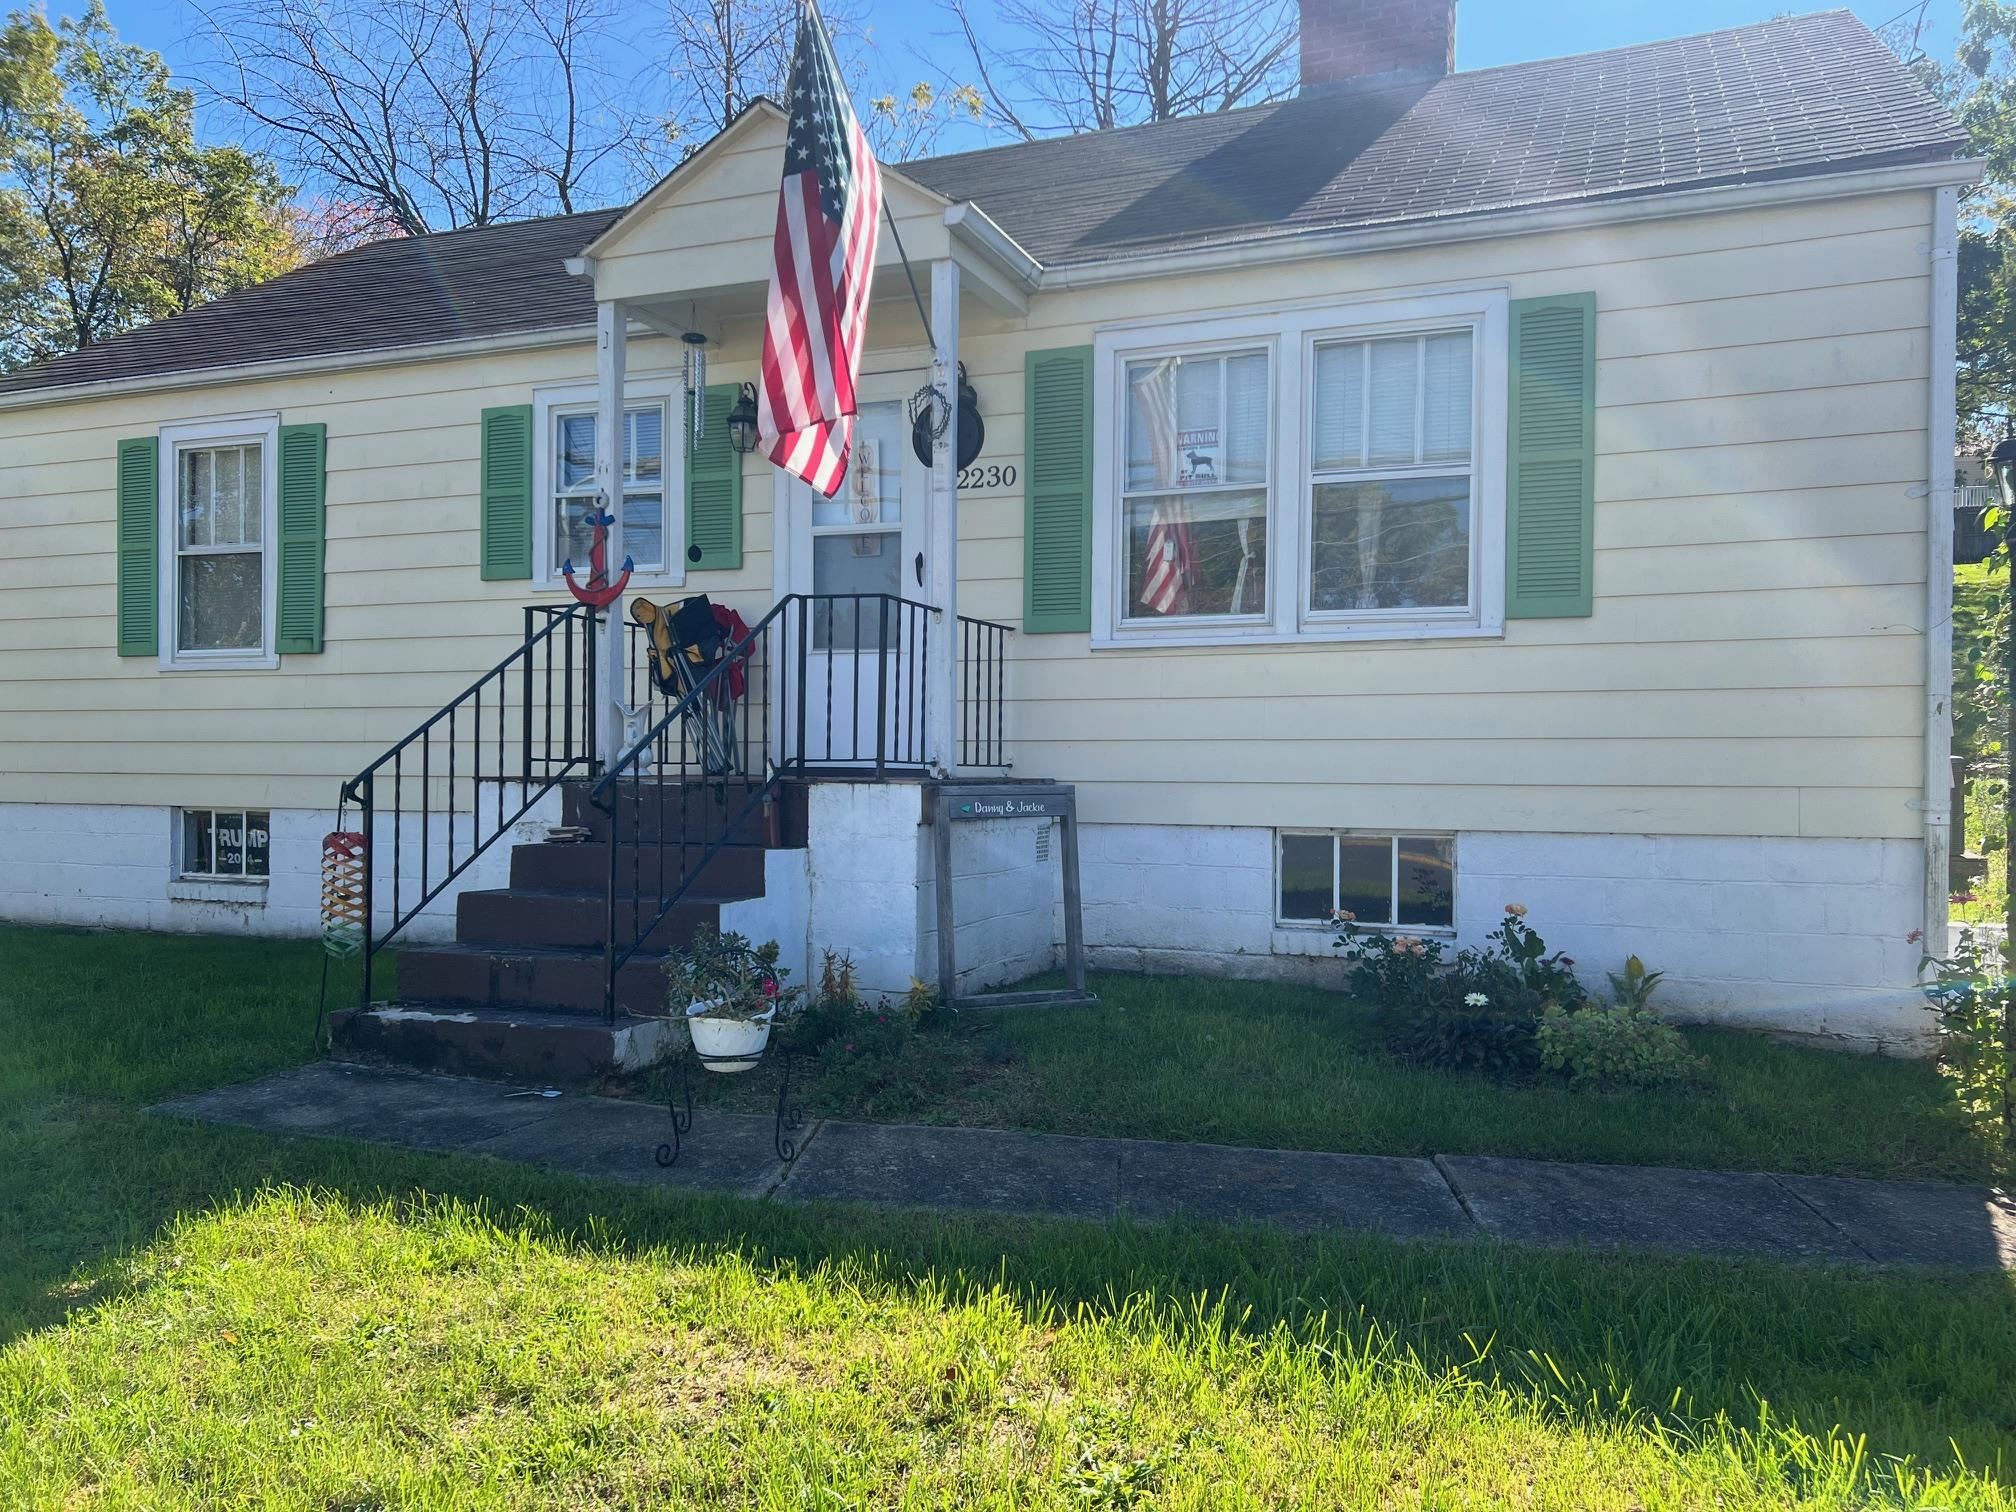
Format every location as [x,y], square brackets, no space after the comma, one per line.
[734,872]
[513,918]
[689,813]
[562,982]
[559,1049]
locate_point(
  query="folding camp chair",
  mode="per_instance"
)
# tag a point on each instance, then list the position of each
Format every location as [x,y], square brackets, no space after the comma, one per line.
[687,642]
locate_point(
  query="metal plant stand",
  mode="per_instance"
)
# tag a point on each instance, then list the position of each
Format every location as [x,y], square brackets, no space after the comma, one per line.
[790,1116]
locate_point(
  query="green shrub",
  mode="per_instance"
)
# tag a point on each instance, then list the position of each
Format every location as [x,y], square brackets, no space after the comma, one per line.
[1464,1039]
[1620,1046]
[1476,1011]
[873,1059]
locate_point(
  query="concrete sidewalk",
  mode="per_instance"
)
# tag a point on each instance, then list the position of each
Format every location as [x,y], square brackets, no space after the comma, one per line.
[1536,1202]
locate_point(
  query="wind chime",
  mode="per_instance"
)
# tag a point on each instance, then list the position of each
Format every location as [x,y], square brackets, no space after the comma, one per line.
[696,388]
[343,861]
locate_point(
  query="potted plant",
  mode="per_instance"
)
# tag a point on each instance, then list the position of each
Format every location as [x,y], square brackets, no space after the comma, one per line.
[731,994]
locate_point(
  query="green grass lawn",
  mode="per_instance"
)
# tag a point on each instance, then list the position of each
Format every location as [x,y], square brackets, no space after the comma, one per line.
[1299,1068]
[196,1317]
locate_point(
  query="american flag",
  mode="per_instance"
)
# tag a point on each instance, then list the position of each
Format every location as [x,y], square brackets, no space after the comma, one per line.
[1169,567]
[825,258]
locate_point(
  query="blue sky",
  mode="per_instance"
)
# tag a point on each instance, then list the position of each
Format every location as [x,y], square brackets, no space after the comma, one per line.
[911,36]
[1488,32]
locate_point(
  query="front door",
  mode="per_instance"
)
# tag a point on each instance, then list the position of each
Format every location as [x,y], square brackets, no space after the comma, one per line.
[859,556]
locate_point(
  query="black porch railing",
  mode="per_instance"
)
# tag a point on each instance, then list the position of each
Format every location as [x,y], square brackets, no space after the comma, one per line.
[983,700]
[444,795]
[832,683]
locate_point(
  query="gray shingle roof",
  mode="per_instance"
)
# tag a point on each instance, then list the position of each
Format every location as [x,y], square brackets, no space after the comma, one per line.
[1794,96]
[485,281]
[1803,95]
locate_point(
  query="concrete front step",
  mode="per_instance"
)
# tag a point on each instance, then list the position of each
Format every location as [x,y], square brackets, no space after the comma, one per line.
[550,981]
[512,918]
[569,1050]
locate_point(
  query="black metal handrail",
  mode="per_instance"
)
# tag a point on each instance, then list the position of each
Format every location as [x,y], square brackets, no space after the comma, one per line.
[828,681]
[983,693]
[550,730]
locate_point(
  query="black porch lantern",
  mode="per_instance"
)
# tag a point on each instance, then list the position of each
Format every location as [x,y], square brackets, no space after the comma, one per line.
[2001,463]
[742,421]
[927,423]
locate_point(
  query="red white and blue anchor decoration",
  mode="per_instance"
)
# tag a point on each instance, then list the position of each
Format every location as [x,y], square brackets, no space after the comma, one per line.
[598,592]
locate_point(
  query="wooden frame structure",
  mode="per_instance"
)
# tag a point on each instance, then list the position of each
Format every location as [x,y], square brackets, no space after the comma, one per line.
[950,803]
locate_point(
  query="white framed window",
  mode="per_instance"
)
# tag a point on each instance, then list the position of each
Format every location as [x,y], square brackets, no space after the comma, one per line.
[1385,880]
[219,512]
[1195,484]
[224,845]
[654,481]
[1319,472]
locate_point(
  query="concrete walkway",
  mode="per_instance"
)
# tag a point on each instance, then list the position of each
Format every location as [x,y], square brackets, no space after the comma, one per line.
[1537,1202]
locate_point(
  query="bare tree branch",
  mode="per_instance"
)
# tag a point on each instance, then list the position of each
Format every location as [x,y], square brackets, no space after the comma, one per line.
[432,113]
[1089,65]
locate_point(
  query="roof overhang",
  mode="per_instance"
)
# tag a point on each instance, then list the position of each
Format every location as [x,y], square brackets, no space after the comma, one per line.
[995,269]
[1520,220]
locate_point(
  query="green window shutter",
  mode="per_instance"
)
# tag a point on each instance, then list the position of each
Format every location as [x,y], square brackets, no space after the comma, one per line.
[1551,482]
[1057,491]
[714,490]
[506,503]
[139,537]
[303,455]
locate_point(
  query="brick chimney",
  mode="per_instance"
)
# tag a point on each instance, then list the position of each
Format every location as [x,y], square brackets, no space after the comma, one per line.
[1350,41]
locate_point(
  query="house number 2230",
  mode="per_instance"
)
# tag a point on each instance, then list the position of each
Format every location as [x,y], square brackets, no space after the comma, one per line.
[987,475]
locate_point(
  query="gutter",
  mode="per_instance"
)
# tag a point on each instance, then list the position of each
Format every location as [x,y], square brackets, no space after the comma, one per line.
[1935,805]
[312,365]
[1295,246]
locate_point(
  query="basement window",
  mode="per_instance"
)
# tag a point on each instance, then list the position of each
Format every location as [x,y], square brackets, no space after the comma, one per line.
[225,845]
[1386,881]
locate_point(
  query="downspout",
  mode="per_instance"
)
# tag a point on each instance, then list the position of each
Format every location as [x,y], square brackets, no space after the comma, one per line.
[1936,803]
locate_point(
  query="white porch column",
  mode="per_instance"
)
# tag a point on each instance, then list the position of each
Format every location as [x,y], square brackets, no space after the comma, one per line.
[610,337]
[941,573]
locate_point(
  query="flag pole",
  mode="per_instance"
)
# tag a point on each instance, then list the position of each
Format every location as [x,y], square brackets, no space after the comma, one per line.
[890,216]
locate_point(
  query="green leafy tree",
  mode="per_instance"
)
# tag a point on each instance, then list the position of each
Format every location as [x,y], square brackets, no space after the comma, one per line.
[1973,992]
[111,212]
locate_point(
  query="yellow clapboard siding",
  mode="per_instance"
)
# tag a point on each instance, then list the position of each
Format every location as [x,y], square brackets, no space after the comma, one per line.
[1754,664]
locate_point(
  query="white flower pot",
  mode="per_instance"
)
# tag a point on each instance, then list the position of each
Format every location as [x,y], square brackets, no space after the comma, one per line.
[728,1044]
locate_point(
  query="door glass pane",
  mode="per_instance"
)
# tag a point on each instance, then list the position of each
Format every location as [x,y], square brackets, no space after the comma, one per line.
[1402,544]
[219,600]
[1365,877]
[1427,881]
[865,562]
[1196,554]
[1305,876]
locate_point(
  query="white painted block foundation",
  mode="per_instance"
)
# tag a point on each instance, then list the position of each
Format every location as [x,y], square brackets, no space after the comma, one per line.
[112,866]
[873,896]
[1800,936]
